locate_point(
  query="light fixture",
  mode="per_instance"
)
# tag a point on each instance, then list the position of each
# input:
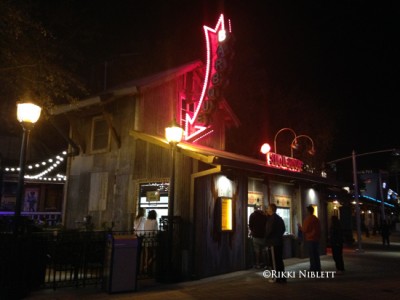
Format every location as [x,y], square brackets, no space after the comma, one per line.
[283,129]
[265,148]
[295,144]
[173,135]
[28,114]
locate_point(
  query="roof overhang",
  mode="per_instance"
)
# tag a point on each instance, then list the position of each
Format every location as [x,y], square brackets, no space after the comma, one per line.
[110,96]
[229,160]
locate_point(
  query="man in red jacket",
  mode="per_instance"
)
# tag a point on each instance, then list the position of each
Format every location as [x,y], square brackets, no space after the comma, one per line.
[312,233]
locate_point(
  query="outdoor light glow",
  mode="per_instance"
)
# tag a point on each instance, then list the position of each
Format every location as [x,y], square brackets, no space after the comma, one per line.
[173,134]
[28,112]
[57,162]
[221,35]
[265,148]
[224,186]
[377,200]
[311,194]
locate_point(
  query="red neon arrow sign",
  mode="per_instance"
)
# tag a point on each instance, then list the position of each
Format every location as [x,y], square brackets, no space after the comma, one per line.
[213,36]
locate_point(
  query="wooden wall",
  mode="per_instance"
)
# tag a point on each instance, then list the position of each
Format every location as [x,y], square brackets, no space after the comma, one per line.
[219,252]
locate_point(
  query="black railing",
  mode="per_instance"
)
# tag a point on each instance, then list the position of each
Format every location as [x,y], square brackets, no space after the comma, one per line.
[58,259]
[40,218]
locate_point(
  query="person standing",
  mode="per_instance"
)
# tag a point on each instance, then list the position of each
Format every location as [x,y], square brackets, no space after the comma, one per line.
[257,222]
[274,230]
[336,240]
[138,224]
[150,240]
[312,233]
[385,232]
[32,199]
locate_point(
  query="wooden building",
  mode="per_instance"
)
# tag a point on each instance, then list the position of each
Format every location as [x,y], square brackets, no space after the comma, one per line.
[125,162]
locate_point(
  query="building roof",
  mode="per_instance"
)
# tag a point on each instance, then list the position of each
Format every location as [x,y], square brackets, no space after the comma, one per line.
[133,87]
[229,160]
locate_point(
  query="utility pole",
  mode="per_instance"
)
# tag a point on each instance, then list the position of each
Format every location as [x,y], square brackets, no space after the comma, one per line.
[358,213]
[355,183]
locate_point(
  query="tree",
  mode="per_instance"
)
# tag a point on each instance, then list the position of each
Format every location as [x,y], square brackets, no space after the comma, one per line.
[31,58]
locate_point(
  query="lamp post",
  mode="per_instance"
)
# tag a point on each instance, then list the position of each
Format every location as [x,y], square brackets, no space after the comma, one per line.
[355,183]
[279,131]
[173,135]
[295,143]
[358,215]
[27,114]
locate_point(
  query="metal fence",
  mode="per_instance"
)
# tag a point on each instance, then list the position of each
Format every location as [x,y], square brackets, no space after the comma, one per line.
[44,219]
[58,259]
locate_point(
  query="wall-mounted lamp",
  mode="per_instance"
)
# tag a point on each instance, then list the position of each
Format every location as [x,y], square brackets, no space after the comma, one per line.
[265,148]
[295,143]
[283,129]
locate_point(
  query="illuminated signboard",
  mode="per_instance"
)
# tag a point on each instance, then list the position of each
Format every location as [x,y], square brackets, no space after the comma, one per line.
[198,116]
[152,196]
[283,162]
[226,214]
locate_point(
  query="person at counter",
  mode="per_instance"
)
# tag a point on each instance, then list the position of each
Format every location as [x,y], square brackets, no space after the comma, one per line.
[257,222]
[312,233]
[274,230]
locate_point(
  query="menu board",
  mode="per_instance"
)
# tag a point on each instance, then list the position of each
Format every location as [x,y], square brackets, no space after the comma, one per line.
[226,214]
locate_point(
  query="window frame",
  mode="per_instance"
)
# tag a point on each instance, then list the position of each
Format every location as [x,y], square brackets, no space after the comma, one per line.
[95,120]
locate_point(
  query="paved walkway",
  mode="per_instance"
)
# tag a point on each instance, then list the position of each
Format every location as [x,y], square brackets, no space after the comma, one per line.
[371,273]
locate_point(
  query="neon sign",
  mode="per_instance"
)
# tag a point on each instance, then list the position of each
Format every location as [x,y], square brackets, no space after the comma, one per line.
[283,162]
[219,53]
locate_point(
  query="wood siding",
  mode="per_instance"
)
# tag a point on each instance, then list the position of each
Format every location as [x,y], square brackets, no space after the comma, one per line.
[201,250]
[217,252]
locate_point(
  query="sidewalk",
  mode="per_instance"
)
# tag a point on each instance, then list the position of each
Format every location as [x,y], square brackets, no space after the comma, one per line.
[373,272]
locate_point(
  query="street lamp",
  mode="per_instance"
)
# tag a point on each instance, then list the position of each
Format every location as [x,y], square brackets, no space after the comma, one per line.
[295,143]
[27,114]
[283,129]
[173,135]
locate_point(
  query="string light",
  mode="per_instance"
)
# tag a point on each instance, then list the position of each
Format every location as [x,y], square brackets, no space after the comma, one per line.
[54,163]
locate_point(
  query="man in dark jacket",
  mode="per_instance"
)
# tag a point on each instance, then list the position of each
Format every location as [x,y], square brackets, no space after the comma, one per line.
[257,222]
[274,230]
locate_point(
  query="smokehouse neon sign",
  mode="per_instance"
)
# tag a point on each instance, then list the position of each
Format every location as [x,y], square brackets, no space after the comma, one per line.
[283,162]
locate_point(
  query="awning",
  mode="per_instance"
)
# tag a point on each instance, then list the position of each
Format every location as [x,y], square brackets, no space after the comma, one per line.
[231,160]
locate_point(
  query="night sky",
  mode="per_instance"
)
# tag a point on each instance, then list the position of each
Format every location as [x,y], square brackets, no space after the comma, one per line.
[342,54]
